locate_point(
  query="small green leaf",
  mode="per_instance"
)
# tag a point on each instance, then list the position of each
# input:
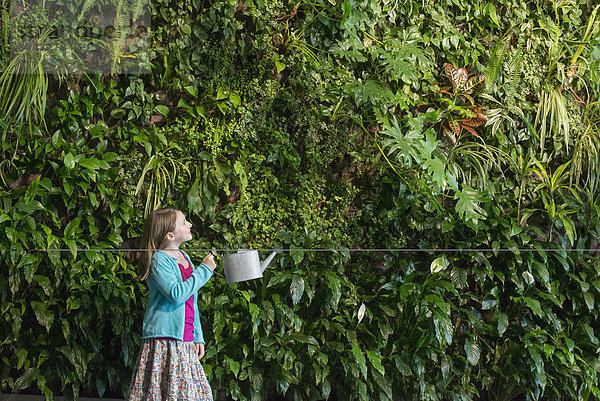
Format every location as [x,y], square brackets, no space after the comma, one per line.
[221,94]
[192,90]
[117,113]
[186,29]
[21,355]
[162,109]
[236,100]
[280,66]
[72,227]
[69,160]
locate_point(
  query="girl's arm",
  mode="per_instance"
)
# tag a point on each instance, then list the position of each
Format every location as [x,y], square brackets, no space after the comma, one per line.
[166,280]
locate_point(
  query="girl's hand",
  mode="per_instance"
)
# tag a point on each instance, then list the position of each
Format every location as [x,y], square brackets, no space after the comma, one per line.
[200,349]
[210,261]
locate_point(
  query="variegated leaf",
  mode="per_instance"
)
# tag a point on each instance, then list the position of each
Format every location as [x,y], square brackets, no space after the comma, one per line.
[454,126]
[468,97]
[474,122]
[475,108]
[462,76]
[470,130]
[457,77]
[473,82]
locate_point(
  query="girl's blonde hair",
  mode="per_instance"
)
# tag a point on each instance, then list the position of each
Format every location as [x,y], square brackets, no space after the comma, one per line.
[158,224]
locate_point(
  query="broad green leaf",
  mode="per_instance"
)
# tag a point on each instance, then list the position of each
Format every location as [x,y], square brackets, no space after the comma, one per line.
[535,305]
[359,358]
[21,355]
[44,282]
[303,338]
[192,90]
[94,164]
[375,359]
[234,366]
[589,300]
[24,381]
[117,113]
[72,227]
[502,323]
[459,277]
[43,315]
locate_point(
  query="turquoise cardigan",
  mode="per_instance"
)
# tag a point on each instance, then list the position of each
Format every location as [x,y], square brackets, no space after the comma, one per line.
[165,312]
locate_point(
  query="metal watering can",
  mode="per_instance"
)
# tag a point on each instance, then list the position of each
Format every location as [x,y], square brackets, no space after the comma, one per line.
[244,265]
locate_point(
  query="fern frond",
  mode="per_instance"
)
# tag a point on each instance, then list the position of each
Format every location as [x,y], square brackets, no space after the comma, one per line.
[121,29]
[87,4]
[515,68]
[495,61]
[137,8]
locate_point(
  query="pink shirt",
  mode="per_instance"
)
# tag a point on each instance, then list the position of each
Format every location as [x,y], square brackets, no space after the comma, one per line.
[188,330]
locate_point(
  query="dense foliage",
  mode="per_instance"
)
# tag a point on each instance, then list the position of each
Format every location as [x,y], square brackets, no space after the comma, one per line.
[459,138]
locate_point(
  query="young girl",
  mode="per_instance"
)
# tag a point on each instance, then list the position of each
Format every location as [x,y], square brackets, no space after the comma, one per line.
[169,362]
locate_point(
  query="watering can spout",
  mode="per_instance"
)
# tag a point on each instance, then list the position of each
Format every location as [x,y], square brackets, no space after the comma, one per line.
[265,263]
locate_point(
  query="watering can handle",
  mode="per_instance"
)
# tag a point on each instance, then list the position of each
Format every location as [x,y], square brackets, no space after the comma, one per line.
[215,254]
[268,260]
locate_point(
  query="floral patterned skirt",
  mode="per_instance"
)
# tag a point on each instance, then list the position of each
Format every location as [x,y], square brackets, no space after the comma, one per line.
[169,370]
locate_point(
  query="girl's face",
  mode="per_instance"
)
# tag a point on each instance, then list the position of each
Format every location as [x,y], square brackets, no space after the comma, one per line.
[182,232]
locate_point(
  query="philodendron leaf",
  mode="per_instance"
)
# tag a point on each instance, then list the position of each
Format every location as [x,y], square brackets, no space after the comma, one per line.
[467,206]
[473,351]
[297,288]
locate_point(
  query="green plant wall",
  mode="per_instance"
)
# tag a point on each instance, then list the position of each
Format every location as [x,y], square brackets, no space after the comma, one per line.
[321,128]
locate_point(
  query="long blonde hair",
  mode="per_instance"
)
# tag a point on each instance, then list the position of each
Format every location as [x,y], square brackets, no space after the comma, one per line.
[158,224]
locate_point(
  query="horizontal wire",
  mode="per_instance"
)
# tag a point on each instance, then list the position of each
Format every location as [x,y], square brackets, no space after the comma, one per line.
[325,250]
